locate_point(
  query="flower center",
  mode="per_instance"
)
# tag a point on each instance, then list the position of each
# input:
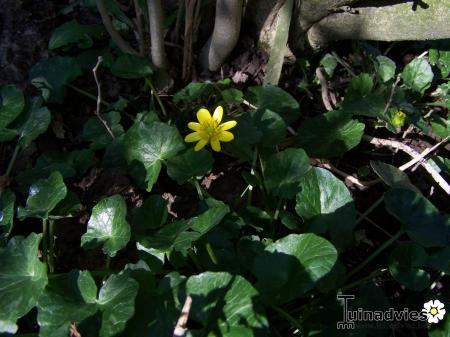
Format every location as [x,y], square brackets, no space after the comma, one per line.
[433,311]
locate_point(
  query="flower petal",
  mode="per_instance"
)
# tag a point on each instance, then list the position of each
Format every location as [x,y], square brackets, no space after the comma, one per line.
[437,304]
[428,305]
[194,126]
[433,319]
[200,145]
[441,314]
[227,125]
[215,144]
[218,114]
[192,137]
[203,116]
[225,136]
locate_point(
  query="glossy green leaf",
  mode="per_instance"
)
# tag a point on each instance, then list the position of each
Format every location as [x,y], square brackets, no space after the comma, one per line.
[151,215]
[360,100]
[224,300]
[43,196]
[419,217]
[12,104]
[440,260]
[67,298]
[392,176]
[210,218]
[131,66]
[405,265]
[293,265]
[329,135]
[385,68]
[418,75]
[73,298]
[22,279]
[108,226]
[36,123]
[441,59]
[329,63]
[273,98]
[270,125]
[116,302]
[189,164]
[284,171]
[7,200]
[51,75]
[326,204]
[95,132]
[232,96]
[193,91]
[72,32]
[150,144]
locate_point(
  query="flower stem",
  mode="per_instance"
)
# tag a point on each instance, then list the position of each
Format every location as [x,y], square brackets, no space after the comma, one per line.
[51,251]
[369,210]
[155,94]
[288,317]
[44,240]
[252,171]
[375,254]
[199,189]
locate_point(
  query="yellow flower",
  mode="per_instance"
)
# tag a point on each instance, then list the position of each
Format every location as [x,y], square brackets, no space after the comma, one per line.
[399,118]
[209,130]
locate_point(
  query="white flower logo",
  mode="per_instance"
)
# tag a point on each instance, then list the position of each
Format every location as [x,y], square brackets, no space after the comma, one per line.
[434,310]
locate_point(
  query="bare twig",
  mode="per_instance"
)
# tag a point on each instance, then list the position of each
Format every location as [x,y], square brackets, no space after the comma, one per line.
[118,40]
[181,328]
[400,146]
[422,155]
[324,89]
[391,96]
[99,97]
[140,32]
[349,179]
[188,33]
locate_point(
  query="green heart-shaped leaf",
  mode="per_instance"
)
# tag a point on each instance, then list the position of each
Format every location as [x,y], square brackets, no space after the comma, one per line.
[273,98]
[291,266]
[223,299]
[22,279]
[108,226]
[131,66]
[73,298]
[404,265]
[12,104]
[329,135]
[72,32]
[43,196]
[327,206]
[150,143]
[284,171]
[418,75]
[189,164]
[419,217]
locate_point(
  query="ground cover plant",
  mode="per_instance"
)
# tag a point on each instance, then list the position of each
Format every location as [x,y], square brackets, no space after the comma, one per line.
[139,202]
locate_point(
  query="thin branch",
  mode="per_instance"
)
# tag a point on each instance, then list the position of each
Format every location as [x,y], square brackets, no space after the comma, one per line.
[324,89]
[391,96]
[99,97]
[115,36]
[414,154]
[349,179]
[140,32]
[421,156]
[181,328]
